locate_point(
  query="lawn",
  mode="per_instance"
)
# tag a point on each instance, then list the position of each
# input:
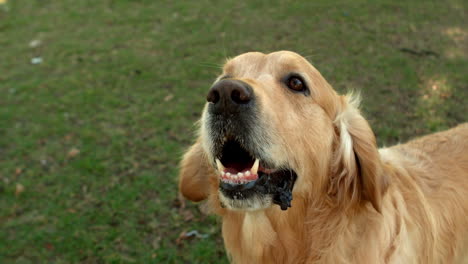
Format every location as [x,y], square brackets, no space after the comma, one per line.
[98,101]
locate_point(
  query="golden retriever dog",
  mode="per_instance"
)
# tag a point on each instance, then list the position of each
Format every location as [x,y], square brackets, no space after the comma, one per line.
[294,171]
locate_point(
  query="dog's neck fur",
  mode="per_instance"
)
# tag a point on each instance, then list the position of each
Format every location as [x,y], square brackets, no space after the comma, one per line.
[251,237]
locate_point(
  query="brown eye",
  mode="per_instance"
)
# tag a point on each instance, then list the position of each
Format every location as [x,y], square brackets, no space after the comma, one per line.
[295,83]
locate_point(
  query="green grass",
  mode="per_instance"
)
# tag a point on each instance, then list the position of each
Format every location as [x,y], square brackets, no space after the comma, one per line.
[124,81]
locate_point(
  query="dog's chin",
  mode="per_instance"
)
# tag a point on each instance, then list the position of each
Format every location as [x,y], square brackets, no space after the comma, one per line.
[254,203]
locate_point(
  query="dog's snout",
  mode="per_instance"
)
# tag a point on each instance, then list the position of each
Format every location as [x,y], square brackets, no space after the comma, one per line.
[228,95]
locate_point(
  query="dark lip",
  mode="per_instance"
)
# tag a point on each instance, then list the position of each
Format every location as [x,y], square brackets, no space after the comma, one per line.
[237,187]
[278,184]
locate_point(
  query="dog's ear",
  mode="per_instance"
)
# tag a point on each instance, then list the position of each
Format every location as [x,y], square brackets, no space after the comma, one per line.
[357,168]
[195,172]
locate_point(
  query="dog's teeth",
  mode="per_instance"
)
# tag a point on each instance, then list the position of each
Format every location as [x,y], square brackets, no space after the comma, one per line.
[223,174]
[228,175]
[220,165]
[247,173]
[254,168]
[240,175]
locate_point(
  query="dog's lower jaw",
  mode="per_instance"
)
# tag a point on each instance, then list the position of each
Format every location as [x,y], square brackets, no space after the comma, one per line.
[269,190]
[282,197]
[255,203]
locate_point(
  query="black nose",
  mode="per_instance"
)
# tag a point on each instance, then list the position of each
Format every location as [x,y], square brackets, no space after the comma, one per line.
[229,95]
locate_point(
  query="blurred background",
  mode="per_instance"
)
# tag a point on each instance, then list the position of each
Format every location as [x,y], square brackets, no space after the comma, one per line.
[98,101]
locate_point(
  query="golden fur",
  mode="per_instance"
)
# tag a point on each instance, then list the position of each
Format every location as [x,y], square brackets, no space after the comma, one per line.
[352,202]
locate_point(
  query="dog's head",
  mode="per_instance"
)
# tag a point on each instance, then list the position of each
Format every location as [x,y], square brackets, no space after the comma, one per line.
[273,127]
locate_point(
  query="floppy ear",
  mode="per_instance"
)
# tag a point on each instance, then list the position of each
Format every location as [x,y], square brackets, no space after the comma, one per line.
[194,174]
[357,168]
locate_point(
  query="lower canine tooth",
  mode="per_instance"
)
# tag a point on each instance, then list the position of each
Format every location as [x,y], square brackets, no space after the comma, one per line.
[254,168]
[220,165]
[240,174]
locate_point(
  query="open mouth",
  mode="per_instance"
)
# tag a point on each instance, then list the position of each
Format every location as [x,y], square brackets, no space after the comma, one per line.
[243,176]
[237,166]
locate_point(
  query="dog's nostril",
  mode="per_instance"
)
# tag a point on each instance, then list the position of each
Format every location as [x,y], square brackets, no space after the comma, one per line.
[213,96]
[228,95]
[240,96]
